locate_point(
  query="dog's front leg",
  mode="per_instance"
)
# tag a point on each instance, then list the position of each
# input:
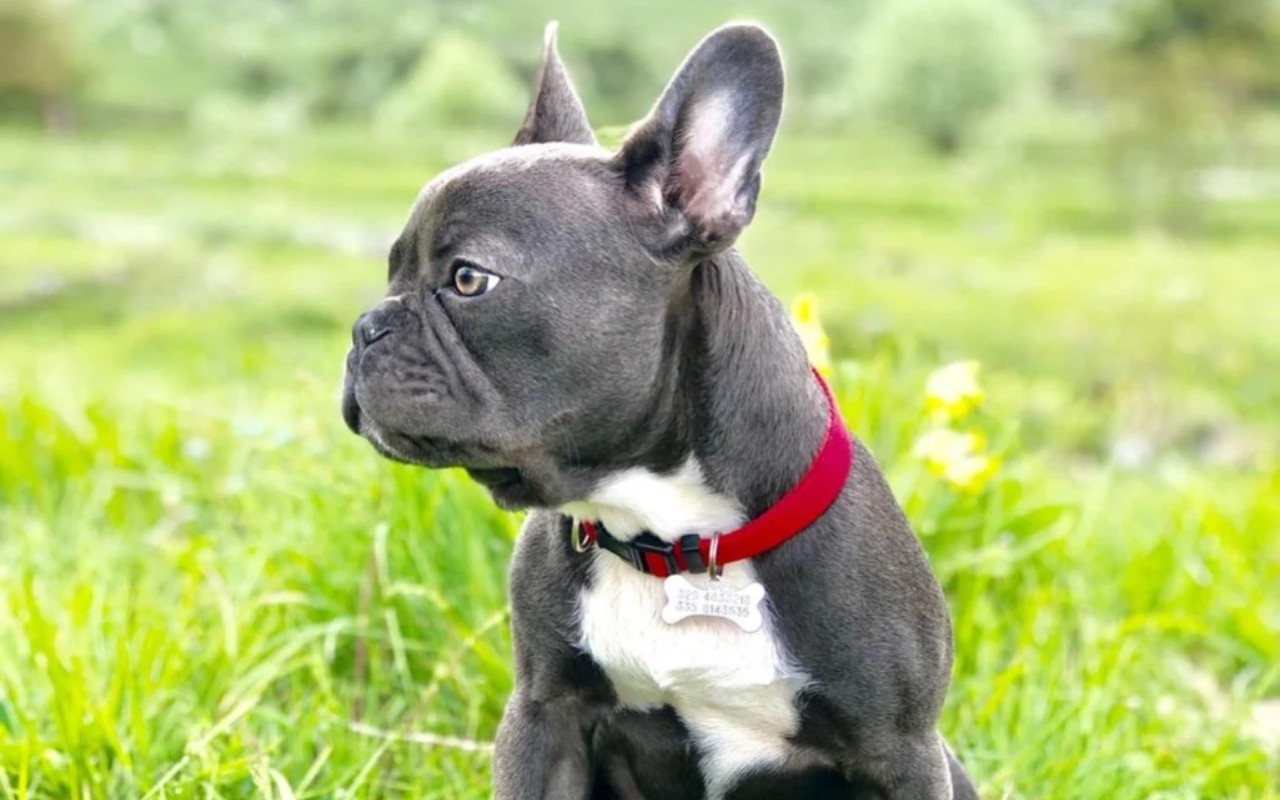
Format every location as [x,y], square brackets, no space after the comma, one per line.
[925,769]
[541,751]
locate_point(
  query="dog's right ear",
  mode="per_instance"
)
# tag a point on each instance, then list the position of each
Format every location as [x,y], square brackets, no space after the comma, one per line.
[556,114]
[695,160]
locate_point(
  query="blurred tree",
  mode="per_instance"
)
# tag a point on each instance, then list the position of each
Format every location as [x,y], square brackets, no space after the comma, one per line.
[937,67]
[1179,81]
[37,67]
[458,82]
[328,57]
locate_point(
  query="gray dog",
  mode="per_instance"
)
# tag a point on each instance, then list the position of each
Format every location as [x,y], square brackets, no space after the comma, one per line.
[716,594]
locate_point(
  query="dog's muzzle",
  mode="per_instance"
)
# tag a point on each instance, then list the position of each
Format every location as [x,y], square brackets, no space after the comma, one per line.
[369,328]
[350,406]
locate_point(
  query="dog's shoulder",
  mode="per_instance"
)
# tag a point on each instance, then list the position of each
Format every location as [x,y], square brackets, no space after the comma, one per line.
[868,620]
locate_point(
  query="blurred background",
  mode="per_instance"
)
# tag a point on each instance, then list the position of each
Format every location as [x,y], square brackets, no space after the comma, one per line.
[207,588]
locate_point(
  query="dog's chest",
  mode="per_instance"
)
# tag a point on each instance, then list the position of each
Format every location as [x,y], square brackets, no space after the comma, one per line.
[735,691]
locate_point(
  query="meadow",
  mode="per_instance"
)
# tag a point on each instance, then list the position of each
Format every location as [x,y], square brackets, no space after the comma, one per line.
[209,589]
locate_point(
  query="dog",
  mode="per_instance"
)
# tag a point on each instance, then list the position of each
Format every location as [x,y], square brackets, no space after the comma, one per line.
[715,594]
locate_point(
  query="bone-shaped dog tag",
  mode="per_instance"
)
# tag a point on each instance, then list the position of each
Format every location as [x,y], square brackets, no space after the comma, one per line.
[741,606]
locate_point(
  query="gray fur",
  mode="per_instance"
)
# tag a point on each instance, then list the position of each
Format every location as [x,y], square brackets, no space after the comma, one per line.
[625,332]
[556,114]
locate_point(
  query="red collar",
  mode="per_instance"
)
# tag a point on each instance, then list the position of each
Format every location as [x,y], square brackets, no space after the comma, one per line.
[795,511]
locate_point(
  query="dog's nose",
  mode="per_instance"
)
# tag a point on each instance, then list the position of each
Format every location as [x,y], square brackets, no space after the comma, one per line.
[376,324]
[367,330]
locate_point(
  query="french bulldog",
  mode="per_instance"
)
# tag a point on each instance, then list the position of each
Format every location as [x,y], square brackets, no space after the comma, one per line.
[573,327]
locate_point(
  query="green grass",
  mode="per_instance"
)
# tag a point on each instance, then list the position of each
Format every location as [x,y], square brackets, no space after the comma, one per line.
[209,589]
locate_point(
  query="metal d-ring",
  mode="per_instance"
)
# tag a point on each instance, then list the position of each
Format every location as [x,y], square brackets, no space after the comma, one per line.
[713,569]
[575,537]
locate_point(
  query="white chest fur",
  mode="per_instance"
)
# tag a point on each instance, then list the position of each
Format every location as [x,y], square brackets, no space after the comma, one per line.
[734,690]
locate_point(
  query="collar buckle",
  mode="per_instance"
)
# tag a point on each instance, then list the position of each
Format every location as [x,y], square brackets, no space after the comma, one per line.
[691,548]
[646,544]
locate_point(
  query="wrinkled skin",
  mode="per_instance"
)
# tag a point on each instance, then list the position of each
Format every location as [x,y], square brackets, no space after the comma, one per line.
[532,406]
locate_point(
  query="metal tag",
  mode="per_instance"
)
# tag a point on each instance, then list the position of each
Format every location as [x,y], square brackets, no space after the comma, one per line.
[740,606]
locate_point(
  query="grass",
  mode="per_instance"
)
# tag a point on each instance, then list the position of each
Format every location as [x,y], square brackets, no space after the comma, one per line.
[209,589]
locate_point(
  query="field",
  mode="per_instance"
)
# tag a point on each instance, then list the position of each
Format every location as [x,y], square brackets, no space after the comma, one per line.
[209,589]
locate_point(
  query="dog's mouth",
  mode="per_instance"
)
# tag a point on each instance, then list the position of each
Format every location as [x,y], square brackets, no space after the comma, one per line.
[415,448]
[436,453]
[488,463]
[511,487]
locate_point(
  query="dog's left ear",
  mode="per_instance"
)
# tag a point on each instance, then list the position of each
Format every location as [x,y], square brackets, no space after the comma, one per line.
[556,114]
[699,151]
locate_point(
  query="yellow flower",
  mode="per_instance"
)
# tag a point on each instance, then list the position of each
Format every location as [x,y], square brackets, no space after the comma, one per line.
[804,317]
[940,446]
[971,473]
[952,391]
[957,458]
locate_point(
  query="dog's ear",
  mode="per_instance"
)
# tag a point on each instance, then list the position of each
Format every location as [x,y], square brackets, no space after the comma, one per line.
[556,114]
[699,151]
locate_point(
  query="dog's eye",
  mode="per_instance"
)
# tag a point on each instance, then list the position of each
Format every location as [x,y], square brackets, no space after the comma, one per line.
[470,281]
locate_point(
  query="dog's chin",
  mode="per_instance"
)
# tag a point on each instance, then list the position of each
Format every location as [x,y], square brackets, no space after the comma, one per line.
[511,488]
[383,443]
[388,445]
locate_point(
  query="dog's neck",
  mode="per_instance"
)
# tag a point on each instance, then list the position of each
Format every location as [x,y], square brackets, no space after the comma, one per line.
[762,412]
[744,415]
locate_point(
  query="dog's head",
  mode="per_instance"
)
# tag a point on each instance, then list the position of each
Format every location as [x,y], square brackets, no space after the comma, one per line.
[537,293]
